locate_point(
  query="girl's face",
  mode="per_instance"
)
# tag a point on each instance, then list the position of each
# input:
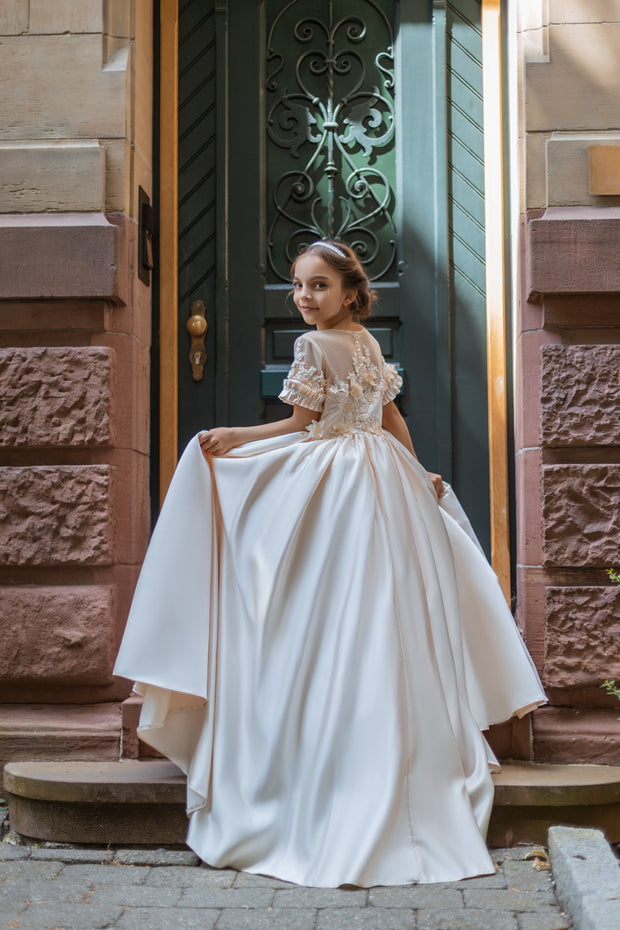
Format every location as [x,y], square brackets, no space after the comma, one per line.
[319,294]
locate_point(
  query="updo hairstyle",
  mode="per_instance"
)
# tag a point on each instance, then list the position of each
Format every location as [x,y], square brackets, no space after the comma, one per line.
[343,259]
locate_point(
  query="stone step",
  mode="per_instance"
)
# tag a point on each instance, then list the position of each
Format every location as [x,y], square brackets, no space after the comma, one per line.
[531,797]
[60,731]
[143,802]
[130,802]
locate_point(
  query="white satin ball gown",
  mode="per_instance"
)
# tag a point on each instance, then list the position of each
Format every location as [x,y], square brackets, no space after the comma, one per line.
[320,643]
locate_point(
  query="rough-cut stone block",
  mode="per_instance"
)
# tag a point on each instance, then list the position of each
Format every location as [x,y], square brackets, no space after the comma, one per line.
[580,395]
[63,255]
[574,250]
[583,630]
[581,515]
[42,176]
[57,634]
[55,515]
[13,17]
[56,88]
[66,16]
[59,731]
[55,396]
[570,735]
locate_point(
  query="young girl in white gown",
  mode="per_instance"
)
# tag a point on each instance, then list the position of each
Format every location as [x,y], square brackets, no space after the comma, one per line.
[317,636]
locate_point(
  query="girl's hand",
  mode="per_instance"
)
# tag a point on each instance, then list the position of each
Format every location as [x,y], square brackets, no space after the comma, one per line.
[437,483]
[218,441]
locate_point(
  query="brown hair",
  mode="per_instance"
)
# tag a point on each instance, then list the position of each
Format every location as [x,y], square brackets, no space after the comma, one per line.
[343,259]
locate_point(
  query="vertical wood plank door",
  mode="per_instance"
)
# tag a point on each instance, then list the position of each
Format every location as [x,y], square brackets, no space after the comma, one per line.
[355,119]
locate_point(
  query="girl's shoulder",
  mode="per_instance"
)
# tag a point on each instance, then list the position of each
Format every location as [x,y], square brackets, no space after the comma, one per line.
[307,341]
[327,336]
[337,348]
[346,338]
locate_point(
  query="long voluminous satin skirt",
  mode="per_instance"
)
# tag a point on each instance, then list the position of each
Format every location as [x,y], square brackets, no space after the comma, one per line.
[319,645]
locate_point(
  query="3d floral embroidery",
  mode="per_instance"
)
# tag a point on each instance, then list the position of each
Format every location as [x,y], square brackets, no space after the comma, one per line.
[354,404]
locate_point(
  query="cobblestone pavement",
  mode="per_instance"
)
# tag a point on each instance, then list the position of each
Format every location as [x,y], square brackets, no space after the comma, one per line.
[134,889]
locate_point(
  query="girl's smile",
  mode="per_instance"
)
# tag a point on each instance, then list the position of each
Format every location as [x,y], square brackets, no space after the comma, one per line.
[319,294]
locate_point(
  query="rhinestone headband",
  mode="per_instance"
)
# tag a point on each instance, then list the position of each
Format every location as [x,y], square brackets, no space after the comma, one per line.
[329,245]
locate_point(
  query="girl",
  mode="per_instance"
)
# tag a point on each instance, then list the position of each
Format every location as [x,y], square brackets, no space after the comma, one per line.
[317,636]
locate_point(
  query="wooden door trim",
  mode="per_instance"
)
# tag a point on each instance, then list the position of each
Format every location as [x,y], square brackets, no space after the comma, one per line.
[492,81]
[168,243]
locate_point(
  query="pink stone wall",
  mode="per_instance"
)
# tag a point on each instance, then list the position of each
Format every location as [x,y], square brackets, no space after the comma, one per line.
[580,395]
[74,459]
[75,335]
[55,396]
[55,515]
[60,634]
[582,637]
[568,476]
[581,515]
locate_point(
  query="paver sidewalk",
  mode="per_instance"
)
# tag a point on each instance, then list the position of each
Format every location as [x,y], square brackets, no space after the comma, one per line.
[83,889]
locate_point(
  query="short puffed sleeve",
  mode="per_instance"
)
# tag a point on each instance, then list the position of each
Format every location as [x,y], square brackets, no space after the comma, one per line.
[305,384]
[391,381]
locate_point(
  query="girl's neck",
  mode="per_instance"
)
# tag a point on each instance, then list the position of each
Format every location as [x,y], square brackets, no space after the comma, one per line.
[343,320]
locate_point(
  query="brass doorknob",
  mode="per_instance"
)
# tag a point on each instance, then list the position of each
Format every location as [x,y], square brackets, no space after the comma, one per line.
[196,325]
[197,328]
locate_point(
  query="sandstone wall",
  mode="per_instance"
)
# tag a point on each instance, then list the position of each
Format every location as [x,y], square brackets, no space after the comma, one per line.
[568,369]
[75,145]
[76,105]
[75,328]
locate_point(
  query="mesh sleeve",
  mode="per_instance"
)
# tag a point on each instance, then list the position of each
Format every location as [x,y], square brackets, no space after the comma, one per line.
[305,383]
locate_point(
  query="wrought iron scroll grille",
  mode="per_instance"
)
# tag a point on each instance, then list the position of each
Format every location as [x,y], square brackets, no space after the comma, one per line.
[331,160]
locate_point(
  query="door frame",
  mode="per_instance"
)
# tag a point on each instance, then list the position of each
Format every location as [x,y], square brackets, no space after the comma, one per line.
[168,240]
[496,285]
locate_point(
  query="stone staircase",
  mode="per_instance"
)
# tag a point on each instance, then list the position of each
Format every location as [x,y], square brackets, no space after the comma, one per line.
[61,731]
[142,802]
[102,732]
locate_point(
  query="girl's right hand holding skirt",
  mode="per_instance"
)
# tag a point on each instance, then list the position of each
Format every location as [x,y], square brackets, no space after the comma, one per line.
[218,441]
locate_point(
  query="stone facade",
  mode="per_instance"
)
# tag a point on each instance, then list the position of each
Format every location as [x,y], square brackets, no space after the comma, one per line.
[76,121]
[568,370]
[75,324]
[65,634]
[581,519]
[583,632]
[55,397]
[580,395]
[55,515]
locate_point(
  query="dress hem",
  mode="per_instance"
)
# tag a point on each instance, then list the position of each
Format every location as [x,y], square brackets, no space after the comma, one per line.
[353,884]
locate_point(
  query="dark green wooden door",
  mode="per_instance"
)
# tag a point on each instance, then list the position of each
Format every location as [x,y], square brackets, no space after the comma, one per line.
[353,118]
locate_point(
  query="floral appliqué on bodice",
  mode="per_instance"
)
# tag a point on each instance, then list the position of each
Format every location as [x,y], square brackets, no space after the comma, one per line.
[343,375]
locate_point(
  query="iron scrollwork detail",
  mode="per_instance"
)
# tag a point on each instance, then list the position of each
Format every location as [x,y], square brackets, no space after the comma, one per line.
[333,110]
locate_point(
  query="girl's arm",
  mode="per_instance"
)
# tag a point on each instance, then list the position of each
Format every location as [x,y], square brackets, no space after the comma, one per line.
[222,439]
[393,422]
